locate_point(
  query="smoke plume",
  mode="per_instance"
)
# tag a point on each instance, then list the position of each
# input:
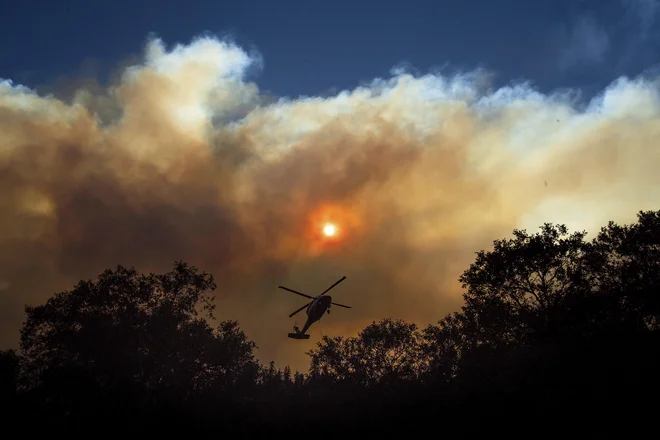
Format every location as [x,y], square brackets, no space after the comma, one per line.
[184,158]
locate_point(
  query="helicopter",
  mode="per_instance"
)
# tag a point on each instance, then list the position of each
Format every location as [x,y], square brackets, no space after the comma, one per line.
[315,309]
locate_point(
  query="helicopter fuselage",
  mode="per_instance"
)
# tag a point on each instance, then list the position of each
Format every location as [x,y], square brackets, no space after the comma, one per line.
[315,311]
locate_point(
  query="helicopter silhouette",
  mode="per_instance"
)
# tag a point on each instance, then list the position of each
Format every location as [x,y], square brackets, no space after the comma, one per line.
[316,308]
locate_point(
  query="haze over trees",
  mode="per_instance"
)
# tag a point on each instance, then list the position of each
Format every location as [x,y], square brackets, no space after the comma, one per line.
[554,327]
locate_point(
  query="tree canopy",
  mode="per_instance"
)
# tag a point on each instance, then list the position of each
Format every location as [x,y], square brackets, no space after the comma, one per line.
[143,334]
[548,316]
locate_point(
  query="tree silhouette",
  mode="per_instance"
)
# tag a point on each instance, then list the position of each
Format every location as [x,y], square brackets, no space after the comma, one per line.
[9,364]
[132,334]
[553,310]
[383,351]
[626,263]
[550,320]
[512,288]
[441,346]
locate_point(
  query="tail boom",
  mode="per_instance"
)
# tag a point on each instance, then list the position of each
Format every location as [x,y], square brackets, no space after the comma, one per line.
[300,334]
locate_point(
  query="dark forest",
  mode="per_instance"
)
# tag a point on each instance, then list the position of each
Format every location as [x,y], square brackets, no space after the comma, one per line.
[557,333]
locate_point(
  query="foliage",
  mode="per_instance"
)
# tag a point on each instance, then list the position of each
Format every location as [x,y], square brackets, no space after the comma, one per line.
[548,318]
[384,351]
[133,332]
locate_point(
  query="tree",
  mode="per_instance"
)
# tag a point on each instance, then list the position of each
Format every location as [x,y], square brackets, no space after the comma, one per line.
[9,363]
[132,332]
[512,288]
[381,352]
[556,310]
[626,263]
[298,379]
[441,346]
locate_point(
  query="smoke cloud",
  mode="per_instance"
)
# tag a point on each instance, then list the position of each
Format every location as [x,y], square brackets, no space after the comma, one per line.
[184,158]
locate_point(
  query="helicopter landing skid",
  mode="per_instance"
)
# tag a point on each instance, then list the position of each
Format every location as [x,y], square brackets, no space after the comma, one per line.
[298,336]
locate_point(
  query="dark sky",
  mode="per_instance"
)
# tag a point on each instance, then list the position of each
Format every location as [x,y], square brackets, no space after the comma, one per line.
[313,48]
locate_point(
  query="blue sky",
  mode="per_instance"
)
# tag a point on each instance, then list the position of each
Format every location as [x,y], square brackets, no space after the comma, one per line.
[312,48]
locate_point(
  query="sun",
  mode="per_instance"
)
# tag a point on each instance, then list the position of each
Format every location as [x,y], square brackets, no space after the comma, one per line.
[329,230]
[331,227]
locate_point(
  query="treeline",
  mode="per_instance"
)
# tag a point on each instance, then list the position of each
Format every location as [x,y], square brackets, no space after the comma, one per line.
[554,327]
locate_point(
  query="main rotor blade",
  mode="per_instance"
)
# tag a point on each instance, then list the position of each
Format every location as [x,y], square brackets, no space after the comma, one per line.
[337,282]
[340,305]
[300,309]
[296,292]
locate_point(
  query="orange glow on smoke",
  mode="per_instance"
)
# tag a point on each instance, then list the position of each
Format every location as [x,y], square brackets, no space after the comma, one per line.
[332,225]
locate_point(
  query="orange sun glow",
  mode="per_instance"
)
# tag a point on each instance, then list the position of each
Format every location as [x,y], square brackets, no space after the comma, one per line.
[331,226]
[329,230]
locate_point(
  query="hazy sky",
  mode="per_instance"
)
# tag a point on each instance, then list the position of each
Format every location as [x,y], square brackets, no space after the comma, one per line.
[138,133]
